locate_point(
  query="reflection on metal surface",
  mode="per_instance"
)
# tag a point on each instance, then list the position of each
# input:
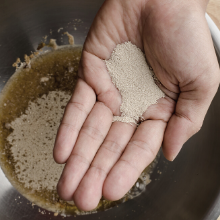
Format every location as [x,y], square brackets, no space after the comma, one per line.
[5,184]
[215,32]
[188,188]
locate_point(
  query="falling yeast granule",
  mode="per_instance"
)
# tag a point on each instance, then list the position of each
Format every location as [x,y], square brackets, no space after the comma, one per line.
[131,75]
[33,138]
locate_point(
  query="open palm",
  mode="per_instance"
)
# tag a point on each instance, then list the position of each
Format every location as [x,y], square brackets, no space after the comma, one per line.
[105,158]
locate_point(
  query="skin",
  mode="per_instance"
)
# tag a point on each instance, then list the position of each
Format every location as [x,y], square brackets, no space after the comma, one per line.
[105,158]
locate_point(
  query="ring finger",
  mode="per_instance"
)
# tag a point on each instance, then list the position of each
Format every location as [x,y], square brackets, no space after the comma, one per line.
[89,192]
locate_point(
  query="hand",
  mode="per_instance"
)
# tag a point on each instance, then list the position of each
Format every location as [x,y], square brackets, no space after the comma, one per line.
[105,158]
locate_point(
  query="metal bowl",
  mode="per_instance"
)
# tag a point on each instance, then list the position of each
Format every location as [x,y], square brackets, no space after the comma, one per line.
[188,188]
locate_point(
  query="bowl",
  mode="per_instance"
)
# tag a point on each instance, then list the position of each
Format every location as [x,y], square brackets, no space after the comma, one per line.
[188,188]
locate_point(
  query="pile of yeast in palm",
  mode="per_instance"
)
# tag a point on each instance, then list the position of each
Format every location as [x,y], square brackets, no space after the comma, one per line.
[34,132]
[135,81]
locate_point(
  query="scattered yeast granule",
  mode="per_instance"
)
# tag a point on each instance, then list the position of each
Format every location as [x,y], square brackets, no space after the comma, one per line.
[33,139]
[133,78]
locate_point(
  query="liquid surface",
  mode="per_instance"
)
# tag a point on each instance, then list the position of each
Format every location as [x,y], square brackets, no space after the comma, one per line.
[56,70]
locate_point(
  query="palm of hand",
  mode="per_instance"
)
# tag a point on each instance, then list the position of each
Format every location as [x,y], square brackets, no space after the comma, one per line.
[104,158]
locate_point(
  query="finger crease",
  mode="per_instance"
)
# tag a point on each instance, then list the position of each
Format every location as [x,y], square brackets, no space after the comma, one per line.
[83,159]
[86,51]
[99,168]
[79,106]
[191,82]
[113,147]
[141,146]
[108,92]
[130,164]
[105,106]
[70,126]
[92,132]
[162,120]
[189,98]
[182,116]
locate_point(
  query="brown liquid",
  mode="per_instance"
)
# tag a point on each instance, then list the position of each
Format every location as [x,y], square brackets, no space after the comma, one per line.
[61,67]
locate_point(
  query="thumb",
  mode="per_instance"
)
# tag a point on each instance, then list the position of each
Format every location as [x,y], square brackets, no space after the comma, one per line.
[191,108]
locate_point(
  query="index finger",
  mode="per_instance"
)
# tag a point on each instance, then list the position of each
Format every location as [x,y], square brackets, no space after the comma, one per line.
[139,153]
[76,112]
